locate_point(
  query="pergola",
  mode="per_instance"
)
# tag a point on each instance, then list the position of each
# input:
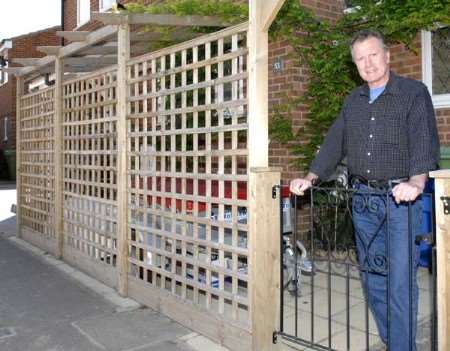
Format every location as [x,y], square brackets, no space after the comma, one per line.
[123,37]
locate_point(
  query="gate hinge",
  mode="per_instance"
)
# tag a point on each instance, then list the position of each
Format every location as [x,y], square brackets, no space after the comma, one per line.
[274,191]
[275,337]
[446,202]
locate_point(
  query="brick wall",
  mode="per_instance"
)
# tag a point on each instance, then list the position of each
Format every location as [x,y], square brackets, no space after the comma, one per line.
[24,46]
[293,81]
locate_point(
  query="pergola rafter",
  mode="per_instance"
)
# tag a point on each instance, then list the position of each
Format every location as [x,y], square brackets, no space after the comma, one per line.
[78,57]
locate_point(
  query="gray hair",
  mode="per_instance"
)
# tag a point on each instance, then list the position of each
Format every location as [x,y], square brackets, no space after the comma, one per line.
[365,34]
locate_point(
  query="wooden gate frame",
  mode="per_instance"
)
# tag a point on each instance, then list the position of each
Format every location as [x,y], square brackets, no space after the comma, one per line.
[264,213]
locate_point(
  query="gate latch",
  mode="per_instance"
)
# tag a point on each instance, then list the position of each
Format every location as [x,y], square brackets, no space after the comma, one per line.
[274,337]
[446,202]
[274,191]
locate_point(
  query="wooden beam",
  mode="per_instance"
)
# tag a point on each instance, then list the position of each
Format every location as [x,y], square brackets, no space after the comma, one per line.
[269,11]
[159,19]
[84,68]
[122,210]
[58,157]
[45,61]
[91,60]
[49,50]
[19,93]
[12,70]
[93,38]
[442,191]
[101,49]
[26,61]
[264,256]
[73,35]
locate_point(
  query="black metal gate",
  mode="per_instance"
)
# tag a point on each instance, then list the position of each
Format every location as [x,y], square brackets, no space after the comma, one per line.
[324,302]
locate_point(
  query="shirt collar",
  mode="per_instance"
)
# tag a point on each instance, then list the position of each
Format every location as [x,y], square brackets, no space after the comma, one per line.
[392,86]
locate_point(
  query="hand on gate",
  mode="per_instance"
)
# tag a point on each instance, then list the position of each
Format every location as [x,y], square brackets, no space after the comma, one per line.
[300,185]
[410,190]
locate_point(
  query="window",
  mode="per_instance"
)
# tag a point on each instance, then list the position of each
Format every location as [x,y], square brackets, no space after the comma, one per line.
[436,65]
[4,75]
[83,11]
[105,5]
[5,129]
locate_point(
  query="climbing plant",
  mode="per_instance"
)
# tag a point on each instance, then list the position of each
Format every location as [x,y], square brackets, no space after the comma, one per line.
[322,47]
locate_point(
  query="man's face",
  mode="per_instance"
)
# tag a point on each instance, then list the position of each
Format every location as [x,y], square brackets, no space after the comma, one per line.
[372,62]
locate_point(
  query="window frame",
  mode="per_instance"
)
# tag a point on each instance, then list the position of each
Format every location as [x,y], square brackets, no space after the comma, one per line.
[102,7]
[79,22]
[4,77]
[439,100]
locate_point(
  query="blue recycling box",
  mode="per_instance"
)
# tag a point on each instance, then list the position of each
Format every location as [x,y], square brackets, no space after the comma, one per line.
[425,248]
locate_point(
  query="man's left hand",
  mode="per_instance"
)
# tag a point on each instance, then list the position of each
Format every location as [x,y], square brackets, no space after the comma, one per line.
[407,191]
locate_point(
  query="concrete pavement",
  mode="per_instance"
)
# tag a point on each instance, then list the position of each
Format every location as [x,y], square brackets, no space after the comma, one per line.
[46,305]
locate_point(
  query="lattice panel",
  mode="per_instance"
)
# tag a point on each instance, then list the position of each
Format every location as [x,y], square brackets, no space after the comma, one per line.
[90,165]
[188,172]
[37,171]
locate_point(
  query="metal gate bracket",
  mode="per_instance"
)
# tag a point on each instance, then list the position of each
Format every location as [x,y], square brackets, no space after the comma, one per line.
[274,337]
[446,202]
[274,191]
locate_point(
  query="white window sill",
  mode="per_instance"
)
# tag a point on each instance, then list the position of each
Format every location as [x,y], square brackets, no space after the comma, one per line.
[441,101]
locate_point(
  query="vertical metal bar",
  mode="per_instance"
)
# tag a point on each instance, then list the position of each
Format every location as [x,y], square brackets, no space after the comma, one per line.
[410,276]
[347,303]
[388,251]
[311,220]
[281,261]
[329,289]
[433,277]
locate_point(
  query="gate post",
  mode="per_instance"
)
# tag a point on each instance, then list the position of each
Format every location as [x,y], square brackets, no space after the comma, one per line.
[19,94]
[264,256]
[58,161]
[123,55]
[442,206]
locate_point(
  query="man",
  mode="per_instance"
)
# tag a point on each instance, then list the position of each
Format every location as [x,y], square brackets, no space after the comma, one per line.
[387,131]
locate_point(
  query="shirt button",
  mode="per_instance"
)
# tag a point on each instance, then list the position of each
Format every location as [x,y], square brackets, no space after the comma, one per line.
[372,119]
[370,136]
[368,154]
[368,171]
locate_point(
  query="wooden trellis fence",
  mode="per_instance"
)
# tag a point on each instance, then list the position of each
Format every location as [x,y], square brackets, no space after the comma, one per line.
[141,175]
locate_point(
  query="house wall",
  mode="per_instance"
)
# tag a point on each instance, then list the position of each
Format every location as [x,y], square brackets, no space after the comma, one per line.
[293,80]
[23,46]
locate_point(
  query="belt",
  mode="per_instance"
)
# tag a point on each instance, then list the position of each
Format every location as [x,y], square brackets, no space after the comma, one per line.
[376,184]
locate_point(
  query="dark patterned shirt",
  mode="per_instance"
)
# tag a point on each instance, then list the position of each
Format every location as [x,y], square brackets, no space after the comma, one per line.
[393,137]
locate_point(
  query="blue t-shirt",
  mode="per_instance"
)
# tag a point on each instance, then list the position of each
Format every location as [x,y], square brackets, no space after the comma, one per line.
[375,92]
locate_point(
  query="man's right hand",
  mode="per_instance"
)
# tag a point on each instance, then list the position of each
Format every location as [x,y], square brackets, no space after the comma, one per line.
[300,185]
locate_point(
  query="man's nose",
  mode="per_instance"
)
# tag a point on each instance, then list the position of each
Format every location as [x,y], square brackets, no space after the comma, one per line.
[367,62]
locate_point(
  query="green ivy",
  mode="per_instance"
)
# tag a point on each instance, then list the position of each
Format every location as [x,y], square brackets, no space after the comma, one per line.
[322,47]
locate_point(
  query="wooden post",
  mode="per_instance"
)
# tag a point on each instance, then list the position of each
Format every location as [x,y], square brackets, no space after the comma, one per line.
[58,157]
[264,256]
[442,200]
[19,93]
[264,229]
[123,55]
[262,13]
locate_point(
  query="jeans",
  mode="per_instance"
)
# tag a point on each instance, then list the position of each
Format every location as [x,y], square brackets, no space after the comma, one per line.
[381,226]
